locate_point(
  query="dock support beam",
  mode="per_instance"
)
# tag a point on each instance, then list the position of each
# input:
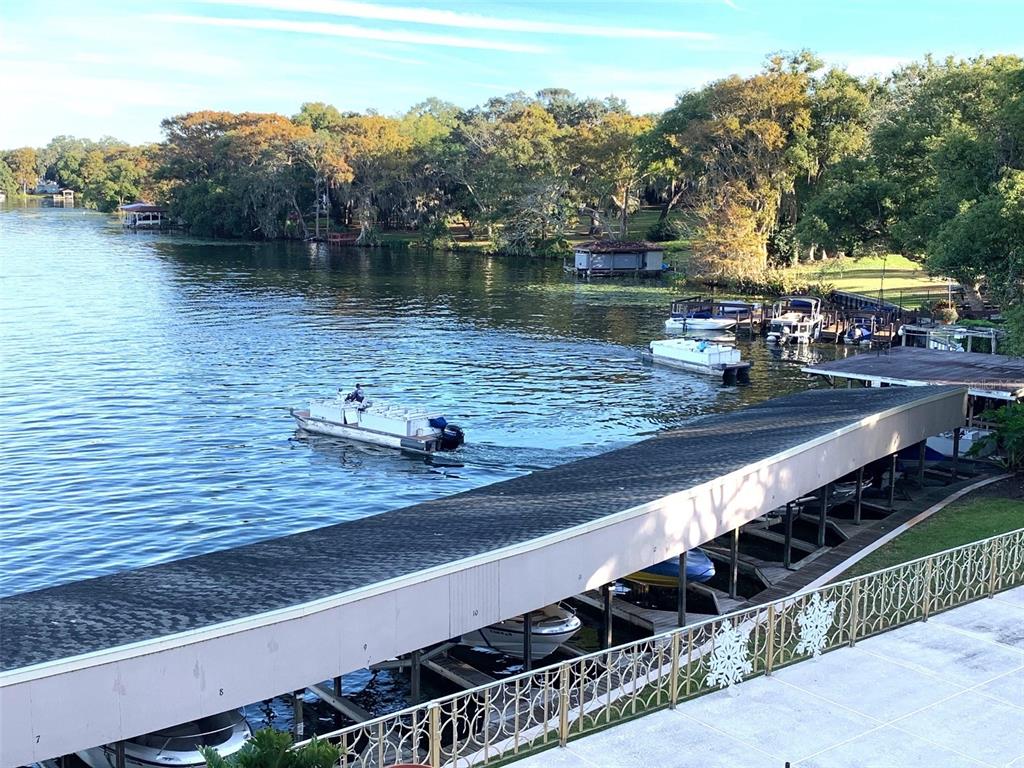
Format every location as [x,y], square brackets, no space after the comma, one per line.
[298,725]
[956,451]
[606,625]
[414,677]
[528,641]
[119,755]
[787,551]
[858,496]
[681,597]
[921,448]
[734,561]
[823,515]
[892,482]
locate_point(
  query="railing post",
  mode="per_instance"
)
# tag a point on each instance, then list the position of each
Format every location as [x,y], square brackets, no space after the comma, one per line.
[434,721]
[673,691]
[854,611]
[926,590]
[770,644]
[992,566]
[563,704]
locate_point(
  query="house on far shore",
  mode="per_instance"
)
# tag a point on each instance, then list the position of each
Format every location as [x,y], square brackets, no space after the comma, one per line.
[605,258]
[143,216]
[46,187]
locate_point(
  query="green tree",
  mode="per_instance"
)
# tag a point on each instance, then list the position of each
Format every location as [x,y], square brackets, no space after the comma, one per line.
[22,163]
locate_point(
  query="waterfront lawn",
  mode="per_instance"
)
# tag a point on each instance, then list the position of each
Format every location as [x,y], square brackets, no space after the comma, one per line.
[905,283]
[960,523]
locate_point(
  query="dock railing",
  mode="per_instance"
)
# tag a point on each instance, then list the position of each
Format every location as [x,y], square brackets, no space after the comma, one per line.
[550,706]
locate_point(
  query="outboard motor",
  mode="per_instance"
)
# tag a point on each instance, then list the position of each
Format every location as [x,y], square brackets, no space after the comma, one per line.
[452,437]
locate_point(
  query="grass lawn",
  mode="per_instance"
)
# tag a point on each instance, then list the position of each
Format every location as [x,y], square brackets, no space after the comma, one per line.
[965,521]
[905,282]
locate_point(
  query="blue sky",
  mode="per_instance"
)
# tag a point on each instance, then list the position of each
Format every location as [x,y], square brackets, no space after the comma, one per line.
[117,68]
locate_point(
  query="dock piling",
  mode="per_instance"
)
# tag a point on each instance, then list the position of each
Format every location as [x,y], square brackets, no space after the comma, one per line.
[823,515]
[921,448]
[681,597]
[298,726]
[528,641]
[337,686]
[734,562]
[119,755]
[956,451]
[606,626]
[787,552]
[892,481]
[414,677]
[858,496]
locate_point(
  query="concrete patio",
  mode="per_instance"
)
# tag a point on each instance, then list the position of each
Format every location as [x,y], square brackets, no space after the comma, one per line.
[948,692]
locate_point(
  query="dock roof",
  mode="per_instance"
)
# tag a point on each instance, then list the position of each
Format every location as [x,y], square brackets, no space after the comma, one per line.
[985,375]
[611,246]
[105,659]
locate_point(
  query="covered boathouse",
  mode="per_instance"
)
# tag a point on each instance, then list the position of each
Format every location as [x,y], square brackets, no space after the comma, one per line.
[605,258]
[143,215]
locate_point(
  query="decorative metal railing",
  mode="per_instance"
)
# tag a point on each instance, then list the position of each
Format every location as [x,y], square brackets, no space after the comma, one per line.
[549,706]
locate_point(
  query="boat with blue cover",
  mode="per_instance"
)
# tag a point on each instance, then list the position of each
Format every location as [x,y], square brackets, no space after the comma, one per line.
[699,568]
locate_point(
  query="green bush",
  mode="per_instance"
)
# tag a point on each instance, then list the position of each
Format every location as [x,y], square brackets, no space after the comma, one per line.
[665,230]
[1006,442]
[273,749]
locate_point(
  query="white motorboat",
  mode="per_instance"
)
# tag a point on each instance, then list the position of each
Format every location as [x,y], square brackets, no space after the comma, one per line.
[393,426]
[178,746]
[699,321]
[700,356]
[943,443]
[550,628]
[795,319]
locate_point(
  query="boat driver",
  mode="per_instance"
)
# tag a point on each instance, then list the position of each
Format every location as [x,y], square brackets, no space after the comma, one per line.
[356,396]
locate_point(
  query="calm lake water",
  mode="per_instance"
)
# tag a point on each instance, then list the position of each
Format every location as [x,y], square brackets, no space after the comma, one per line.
[146,381]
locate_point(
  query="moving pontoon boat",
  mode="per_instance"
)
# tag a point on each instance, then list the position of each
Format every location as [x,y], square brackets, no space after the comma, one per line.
[700,356]
[394,426]
[551,627]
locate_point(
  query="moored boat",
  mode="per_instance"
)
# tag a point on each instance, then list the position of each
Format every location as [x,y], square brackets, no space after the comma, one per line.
[795,319]
[700,356]
[550,628]
[861,330]
[699,568]
[942,444]
[386,424]
[177,746]
[699,321]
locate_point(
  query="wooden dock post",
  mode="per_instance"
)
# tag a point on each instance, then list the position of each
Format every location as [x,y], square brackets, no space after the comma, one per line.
[298,726]
[119,755]
[414,677]
[606,626]
[528,641]
[892,482]
[956,451]
[858,496]
[734,562]
[337,686]
[823,515]
[921,449]
[681,597]
[787,551]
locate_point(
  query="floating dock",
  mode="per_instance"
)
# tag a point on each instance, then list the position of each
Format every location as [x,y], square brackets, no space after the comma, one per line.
[101,660]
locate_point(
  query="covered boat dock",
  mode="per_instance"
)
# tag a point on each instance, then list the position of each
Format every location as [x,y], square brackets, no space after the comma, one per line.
[105,659]
[985,375]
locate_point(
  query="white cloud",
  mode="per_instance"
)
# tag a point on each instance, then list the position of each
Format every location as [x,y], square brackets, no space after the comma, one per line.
[351,31]
[865,65]
[444,18]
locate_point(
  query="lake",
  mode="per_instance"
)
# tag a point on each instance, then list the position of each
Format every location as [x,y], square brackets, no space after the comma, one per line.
[146,382]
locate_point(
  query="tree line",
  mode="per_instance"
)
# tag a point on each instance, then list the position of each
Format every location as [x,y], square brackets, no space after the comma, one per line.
[793,163]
